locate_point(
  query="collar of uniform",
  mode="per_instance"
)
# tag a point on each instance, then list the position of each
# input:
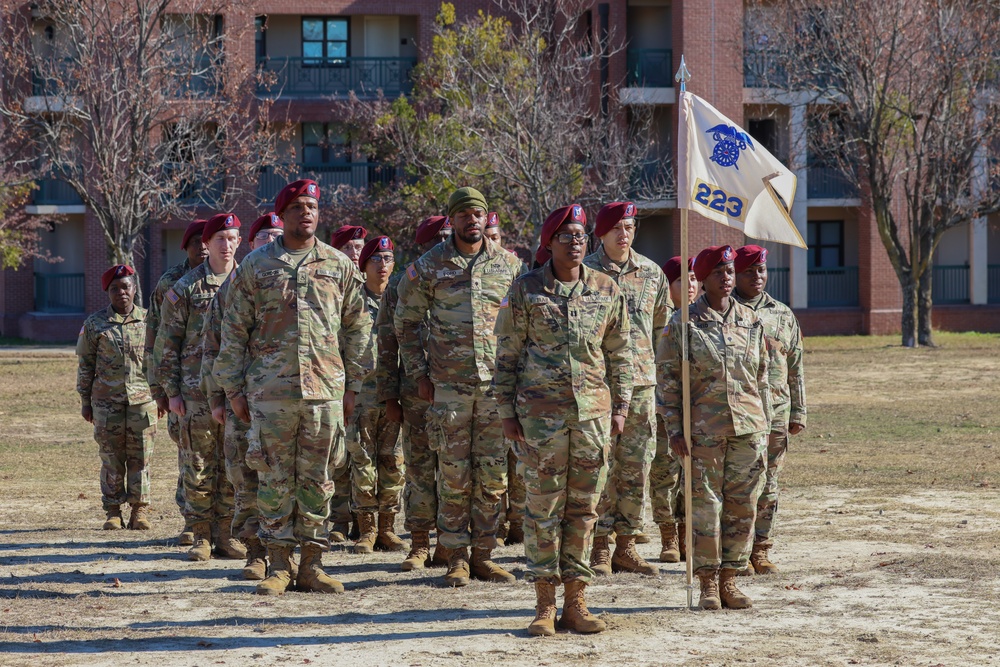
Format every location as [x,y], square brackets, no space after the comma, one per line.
[215,280]
[762,300]
[605,260]
[705,313]
[276,249]
[450,251]
[581,287]
[112,315]
[372,297]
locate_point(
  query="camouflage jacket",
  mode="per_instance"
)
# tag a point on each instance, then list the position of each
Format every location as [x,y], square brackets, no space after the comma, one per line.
[167,280]
[286,322]
[558,343]
[112,355]
[178,348]
[459,298]
[784,347]
[391,379]
[367,395]
[647,295]
[211,339]
[728,359]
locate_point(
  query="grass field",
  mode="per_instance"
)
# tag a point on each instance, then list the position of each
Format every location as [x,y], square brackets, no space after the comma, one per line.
[888,534]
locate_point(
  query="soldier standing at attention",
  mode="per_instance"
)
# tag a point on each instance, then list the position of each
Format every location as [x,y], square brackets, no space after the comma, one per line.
[730,418]
[116,399]
[647,296]
[350,240]
[563,383]
[457,288]
[788,389]
[280,365]
[197,252]
[665,483]
[376,451]
[208,492]
[264,229]
[398,391]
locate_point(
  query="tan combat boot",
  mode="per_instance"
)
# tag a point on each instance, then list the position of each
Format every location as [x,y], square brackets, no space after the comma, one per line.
[544,624]
[709,591]
[387,539]
[186,537]
[485,569]
[280,577]
[368,534]
[339,531]
[114,518]
[227,546]
[256,567]
[759,561]
[442,556]
[732,597]
[420,552]
[311,577]
[670,551]
[576,616]
[627,559]
[502,533]
[682,540]
[515,533]
[600,557]
[642,538]
[202,549]
[139,518]
[458,568]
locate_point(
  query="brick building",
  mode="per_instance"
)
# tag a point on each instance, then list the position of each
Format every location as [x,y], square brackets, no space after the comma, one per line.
[323,49]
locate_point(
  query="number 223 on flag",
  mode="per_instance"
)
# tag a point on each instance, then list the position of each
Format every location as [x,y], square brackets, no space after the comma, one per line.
[717,199]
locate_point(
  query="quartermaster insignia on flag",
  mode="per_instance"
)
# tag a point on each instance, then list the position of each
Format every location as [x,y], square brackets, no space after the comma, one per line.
[729,141]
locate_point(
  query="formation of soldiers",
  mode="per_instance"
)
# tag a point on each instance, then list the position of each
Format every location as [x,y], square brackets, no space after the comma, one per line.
[314,393]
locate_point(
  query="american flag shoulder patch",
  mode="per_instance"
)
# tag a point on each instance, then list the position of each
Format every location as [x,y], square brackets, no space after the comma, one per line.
[411,272]
[82,330]
[172,296]
[505,302]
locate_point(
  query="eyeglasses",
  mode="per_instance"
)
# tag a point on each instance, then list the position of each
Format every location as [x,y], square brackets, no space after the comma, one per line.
[382,259]
[567,238]
[268,235]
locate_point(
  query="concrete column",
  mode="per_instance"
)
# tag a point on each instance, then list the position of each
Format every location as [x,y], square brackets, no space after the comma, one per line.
[798,258]
[978,261]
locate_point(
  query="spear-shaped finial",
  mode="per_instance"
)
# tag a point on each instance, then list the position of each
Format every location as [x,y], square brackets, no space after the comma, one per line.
[683,74]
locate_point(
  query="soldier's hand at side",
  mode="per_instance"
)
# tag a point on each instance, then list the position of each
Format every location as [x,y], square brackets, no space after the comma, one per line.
[393,411]
[349,397]
[177,405]
[240,407]
[162,406]
[795,429]
[425,389]
[679,445]
[87,413]
[219,414]
[617,425]
[512,429]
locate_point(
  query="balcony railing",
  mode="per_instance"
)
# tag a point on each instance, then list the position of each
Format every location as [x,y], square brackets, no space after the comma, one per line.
[359,175]
[777,283]
[313,77]
[55,192]
[197,76]
[650,68]
[830,183]
[950,284]
[761,68]
[59,292]
[993,283]
[833,287]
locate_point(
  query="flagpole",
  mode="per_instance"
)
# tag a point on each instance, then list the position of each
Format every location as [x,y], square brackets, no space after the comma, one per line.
[682,77]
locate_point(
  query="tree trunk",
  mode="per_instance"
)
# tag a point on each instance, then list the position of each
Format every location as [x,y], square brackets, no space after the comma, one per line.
[925,304]
[909,319]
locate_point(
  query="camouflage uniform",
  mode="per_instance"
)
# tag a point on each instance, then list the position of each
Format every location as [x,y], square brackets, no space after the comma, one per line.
[112,380]
[280,348]
[666,483]
[166,281]
[788,400]
[392,382]
[558,347]
[376,453]
[208,494]
[647,296]
[459,297]
[730,408]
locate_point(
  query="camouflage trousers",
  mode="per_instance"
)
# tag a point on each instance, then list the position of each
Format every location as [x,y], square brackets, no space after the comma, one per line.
[726,474]
[377,463]
[767,504]
[293,445]
[174,431]
[565,469]
[463,427]
[124,435]
[622,501]
[208,493]
[420,493]
[340,501]
[666,480]
[515,497]
[241,476]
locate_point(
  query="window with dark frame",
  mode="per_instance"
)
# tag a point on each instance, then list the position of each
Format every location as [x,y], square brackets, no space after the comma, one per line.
[260,37]
[325,40]
[826,244]
[322,146]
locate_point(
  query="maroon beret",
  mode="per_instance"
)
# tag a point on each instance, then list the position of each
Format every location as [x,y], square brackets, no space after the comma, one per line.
[749,255]
[542,255]
[492,220]
[673,268]
[193,230]
[431,227]
[611,214]
[292,190]
[266,221]
[556,219]
[218,223]
[377,244]
[116,271]
[711,257]
[347,233]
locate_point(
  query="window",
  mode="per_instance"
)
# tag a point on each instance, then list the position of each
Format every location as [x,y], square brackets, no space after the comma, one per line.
[322,146]
[826,244]
[260,37]
[324,40]
[765,131]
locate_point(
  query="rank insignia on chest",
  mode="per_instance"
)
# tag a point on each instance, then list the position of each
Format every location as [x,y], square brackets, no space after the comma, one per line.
[172,296]
[411,272]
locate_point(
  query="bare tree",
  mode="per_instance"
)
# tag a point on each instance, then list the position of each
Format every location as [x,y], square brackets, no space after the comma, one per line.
[907,92]
[143,108]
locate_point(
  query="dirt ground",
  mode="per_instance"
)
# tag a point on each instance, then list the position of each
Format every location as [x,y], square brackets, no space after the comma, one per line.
[888,537]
